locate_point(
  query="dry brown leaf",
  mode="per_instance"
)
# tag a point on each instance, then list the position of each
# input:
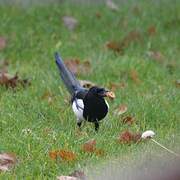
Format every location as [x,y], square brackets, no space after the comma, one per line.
[134,76]
[151,30]
[128,120]
[86,84]
[133,36]
[78,67]
[128,137]
[115,46]
[98,15]
[10,81]
[7,161]
[121,109]
[114,86]
[65,155]
[111,5]
[78,174]
[66,178]
[70,22]
[3,43]
[119,47]
[156,56]
[89,146]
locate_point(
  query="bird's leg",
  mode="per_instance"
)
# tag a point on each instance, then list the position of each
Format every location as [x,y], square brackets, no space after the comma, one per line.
[79,124]
[96,126]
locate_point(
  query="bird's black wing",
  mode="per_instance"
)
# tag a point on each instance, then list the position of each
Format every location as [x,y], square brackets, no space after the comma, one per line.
[71,83]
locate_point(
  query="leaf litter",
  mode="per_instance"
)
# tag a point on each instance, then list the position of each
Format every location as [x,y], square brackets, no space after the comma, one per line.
[120,46]
[128,137]
[90,147]
[7,161]
[64,155]
[78,67]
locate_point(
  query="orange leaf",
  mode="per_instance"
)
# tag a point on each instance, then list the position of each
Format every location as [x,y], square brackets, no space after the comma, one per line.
[53,155]
[63,154]
[67,155]
[89,146]
[127,137]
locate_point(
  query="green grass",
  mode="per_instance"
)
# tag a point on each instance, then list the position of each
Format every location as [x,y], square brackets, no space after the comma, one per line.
[33,36]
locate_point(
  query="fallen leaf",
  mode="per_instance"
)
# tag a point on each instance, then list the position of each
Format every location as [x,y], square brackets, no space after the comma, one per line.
[177,83]
[86,84]
[151,30]
[77,67]
[67,155]
[121,109]
[98,15]
[114,86]
[78,174]
[63,154]
[115,46]
[128,120]
[3,43]
[89,146]
[10,81]
[156,56]
[119,47]
[134,76]
[66,178]
[111,5]
[132,36]
[70,22]
[128,137]
[7,161]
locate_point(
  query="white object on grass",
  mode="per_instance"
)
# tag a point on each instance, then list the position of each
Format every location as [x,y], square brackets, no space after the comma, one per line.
[147,134]
[150,134]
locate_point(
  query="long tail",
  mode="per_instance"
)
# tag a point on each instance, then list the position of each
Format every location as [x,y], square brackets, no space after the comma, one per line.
[71,83]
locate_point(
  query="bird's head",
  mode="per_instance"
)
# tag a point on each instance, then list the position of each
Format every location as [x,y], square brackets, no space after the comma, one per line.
[101,92]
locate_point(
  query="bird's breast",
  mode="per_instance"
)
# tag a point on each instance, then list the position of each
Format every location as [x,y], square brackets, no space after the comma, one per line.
[95,109]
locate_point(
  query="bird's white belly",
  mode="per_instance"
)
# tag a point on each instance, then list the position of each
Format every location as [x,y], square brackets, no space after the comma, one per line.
[78,109]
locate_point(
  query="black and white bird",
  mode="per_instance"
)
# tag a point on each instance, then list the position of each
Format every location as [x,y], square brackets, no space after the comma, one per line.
[87,104]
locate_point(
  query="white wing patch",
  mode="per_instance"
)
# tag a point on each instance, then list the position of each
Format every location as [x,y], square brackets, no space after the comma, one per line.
[107,104]
[78,108]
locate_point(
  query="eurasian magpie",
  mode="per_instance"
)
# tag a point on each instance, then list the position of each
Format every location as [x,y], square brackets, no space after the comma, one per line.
[87,104]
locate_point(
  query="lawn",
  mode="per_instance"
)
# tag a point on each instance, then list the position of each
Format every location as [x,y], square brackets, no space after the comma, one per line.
[38,119]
